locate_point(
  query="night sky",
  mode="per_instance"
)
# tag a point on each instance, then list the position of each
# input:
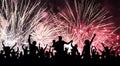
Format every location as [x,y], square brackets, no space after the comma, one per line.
[114,7]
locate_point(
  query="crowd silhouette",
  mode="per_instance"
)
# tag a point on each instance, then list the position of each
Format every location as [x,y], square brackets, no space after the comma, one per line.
[57,54]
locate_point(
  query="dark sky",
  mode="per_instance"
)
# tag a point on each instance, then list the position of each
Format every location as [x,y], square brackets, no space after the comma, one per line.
[114,7]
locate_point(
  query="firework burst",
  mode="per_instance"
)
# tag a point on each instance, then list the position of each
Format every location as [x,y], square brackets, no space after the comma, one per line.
[18,19]
[84,18]
[47,31]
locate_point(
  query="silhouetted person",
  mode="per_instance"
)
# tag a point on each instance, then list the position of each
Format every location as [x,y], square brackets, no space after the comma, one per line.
[86,48]
[59,48]
[48,55]
[93,51]
[32,47]
[106,51]
[41,51]
[114,52]
[95,55]
[25,50]
[54,44]
[14,55]
[74,50]
[7,49]
[59,45]
[11,56]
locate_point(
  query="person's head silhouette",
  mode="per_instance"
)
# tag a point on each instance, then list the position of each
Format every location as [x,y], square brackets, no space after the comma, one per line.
[7,48]
[87,42]
[76,45]
[53,41]
[106,48]
[60,38]
[34,43]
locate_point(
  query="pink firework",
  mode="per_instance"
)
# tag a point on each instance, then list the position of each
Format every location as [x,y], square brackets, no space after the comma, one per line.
[84,18]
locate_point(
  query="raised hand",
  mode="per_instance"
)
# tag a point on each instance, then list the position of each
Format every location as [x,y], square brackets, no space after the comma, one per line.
[3,43]
[92,38]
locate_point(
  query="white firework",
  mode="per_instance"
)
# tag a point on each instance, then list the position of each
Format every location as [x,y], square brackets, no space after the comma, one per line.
[18,19]
[47,31]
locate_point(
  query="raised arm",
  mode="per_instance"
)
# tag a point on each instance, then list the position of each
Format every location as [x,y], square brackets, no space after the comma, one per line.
[17,50]
[50,48]
[69,42]
[100,50]
[29,41]
[45,47]
[111,48]
[14,46]
[93,47]
[92,39]
[23,47]
[103,45]
[72,45]
[3,43]
[117,48]
[39,46]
